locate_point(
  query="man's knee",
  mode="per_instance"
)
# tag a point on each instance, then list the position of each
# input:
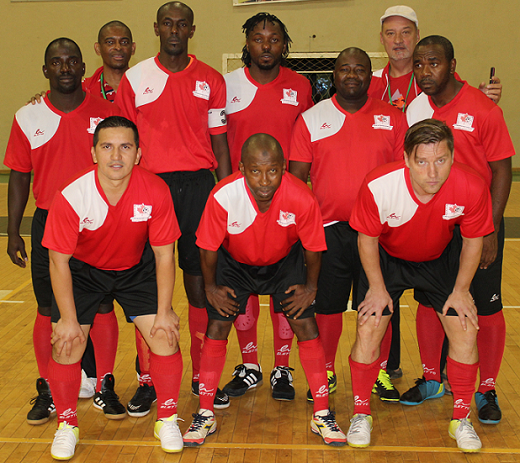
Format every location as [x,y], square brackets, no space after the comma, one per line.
[218,330]
[305,329]
[194,286]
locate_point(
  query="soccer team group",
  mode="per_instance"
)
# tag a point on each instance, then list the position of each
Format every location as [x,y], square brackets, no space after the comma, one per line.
[122,164]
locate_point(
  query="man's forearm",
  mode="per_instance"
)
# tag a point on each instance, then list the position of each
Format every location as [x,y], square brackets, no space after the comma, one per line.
[208,263]
[18,194]
[165,275]
[61,279]
[469,261]
[500,188]
[220,148]
[313,261]
[369,255]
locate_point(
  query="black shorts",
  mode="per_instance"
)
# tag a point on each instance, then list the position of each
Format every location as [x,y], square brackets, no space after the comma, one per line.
[135,288]
[190,191]
[269,279]
[486,284]
[340,267]
[434,279]
[41,278]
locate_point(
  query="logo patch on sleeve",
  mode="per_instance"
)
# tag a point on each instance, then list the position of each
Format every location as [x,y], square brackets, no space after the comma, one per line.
[202,90]
[286,219]
[452,211]
[142,213]
[94,121]
[290,96]
[382,122]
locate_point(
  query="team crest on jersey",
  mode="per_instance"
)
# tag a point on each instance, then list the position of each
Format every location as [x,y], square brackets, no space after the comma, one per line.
[94,121]
[142,213]
[464,122]
[382,122]
[201,90]
[453,211]
[290,96]
[286,219]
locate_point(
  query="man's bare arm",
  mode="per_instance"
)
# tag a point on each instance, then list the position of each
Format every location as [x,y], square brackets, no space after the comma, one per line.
[300,169]
[220,148]
[18,194]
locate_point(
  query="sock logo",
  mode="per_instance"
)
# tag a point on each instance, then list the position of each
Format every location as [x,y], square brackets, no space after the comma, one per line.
[284,350]
[383,365]
[146,378]
[170,403]
[68,414]
[490,382]
[359,402]
[323,391]
[249,348]
[204,391]
[460,404]
[430,371]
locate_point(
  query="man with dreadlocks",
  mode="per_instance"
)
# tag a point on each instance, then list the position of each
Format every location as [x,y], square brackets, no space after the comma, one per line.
[263,96]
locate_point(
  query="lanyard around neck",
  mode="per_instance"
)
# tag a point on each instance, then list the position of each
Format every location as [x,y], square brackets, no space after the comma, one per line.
[407,92]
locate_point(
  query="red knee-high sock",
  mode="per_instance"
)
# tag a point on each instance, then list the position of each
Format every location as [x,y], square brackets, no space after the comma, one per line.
[462,380]
[245,325]
[430,336]
[65,381]
[386,343]
[282,337]
[363,377]
[143,353]
[166,372]
[491,340]
[198,321]
[42,343]
[330,327]
[312,358]
[211,366]
[104,334]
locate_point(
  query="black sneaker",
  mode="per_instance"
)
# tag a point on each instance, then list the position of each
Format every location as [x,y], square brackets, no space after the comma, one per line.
[243,380]
[395,374]
[384,388]
[488,409]
[220,401]
[108,401]
[43,405]
[141,403]
[281,383]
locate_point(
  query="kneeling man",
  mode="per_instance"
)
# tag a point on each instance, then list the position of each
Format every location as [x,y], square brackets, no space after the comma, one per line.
[262,233]
[405,214]
[97,234]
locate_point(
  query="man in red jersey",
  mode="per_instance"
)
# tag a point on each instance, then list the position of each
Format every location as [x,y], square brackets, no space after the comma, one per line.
[178,104]
[405,215]
[344,137]
[263,97]
[53,140]
[97,234]
[251,236]
[482,141]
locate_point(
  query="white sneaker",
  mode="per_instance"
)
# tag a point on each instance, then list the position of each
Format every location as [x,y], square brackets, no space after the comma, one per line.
[88,386]
[464,433]
[328,429]
[65,441]
[167,430]
[359,432]
[202,426]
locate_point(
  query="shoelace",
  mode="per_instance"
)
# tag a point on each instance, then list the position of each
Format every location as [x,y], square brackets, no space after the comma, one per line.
[357,424]
[143,391]
[491,399]
[283,373]
[330,421]
[61,438]
[384,379]
[240,371]
[42,400]
[466,426]
[198,421]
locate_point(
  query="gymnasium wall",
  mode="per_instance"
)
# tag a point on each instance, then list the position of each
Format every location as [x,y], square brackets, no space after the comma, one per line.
[483,33]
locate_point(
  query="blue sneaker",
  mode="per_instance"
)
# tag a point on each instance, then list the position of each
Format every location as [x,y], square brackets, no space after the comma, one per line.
[422,391]
[488,410]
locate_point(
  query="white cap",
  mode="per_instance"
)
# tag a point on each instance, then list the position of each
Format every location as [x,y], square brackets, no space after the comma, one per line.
[403,11]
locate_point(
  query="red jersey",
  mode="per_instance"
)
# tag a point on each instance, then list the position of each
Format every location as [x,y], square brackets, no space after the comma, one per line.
[403,89]
[343,148]
[478,126]
[271,108]
[93,85]
[53,144]
[175,113]
[408,229]
[232,219]
[83,223]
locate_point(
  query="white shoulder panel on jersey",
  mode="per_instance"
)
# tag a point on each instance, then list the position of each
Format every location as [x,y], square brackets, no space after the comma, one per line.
[147,80]
[419,109]
[378,73]
[393,200]
[240,92]
[323,120]
[87,202]
[39,123]
[235,201]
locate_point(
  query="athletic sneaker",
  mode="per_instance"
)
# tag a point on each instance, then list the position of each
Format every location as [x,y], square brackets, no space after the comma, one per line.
[384,388]
[488,410]
[108,401]
[202,426]
[141,403]
[220,401]
[359,432]
[464,433]
[168,432]
[328,429]
[244,379]
[422,391]
[88,386]
[395,374]
[43,405]
[332,380]
[65,440]
[281,383]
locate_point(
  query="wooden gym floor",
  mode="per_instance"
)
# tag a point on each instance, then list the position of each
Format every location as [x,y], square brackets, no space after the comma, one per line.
[255,428]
